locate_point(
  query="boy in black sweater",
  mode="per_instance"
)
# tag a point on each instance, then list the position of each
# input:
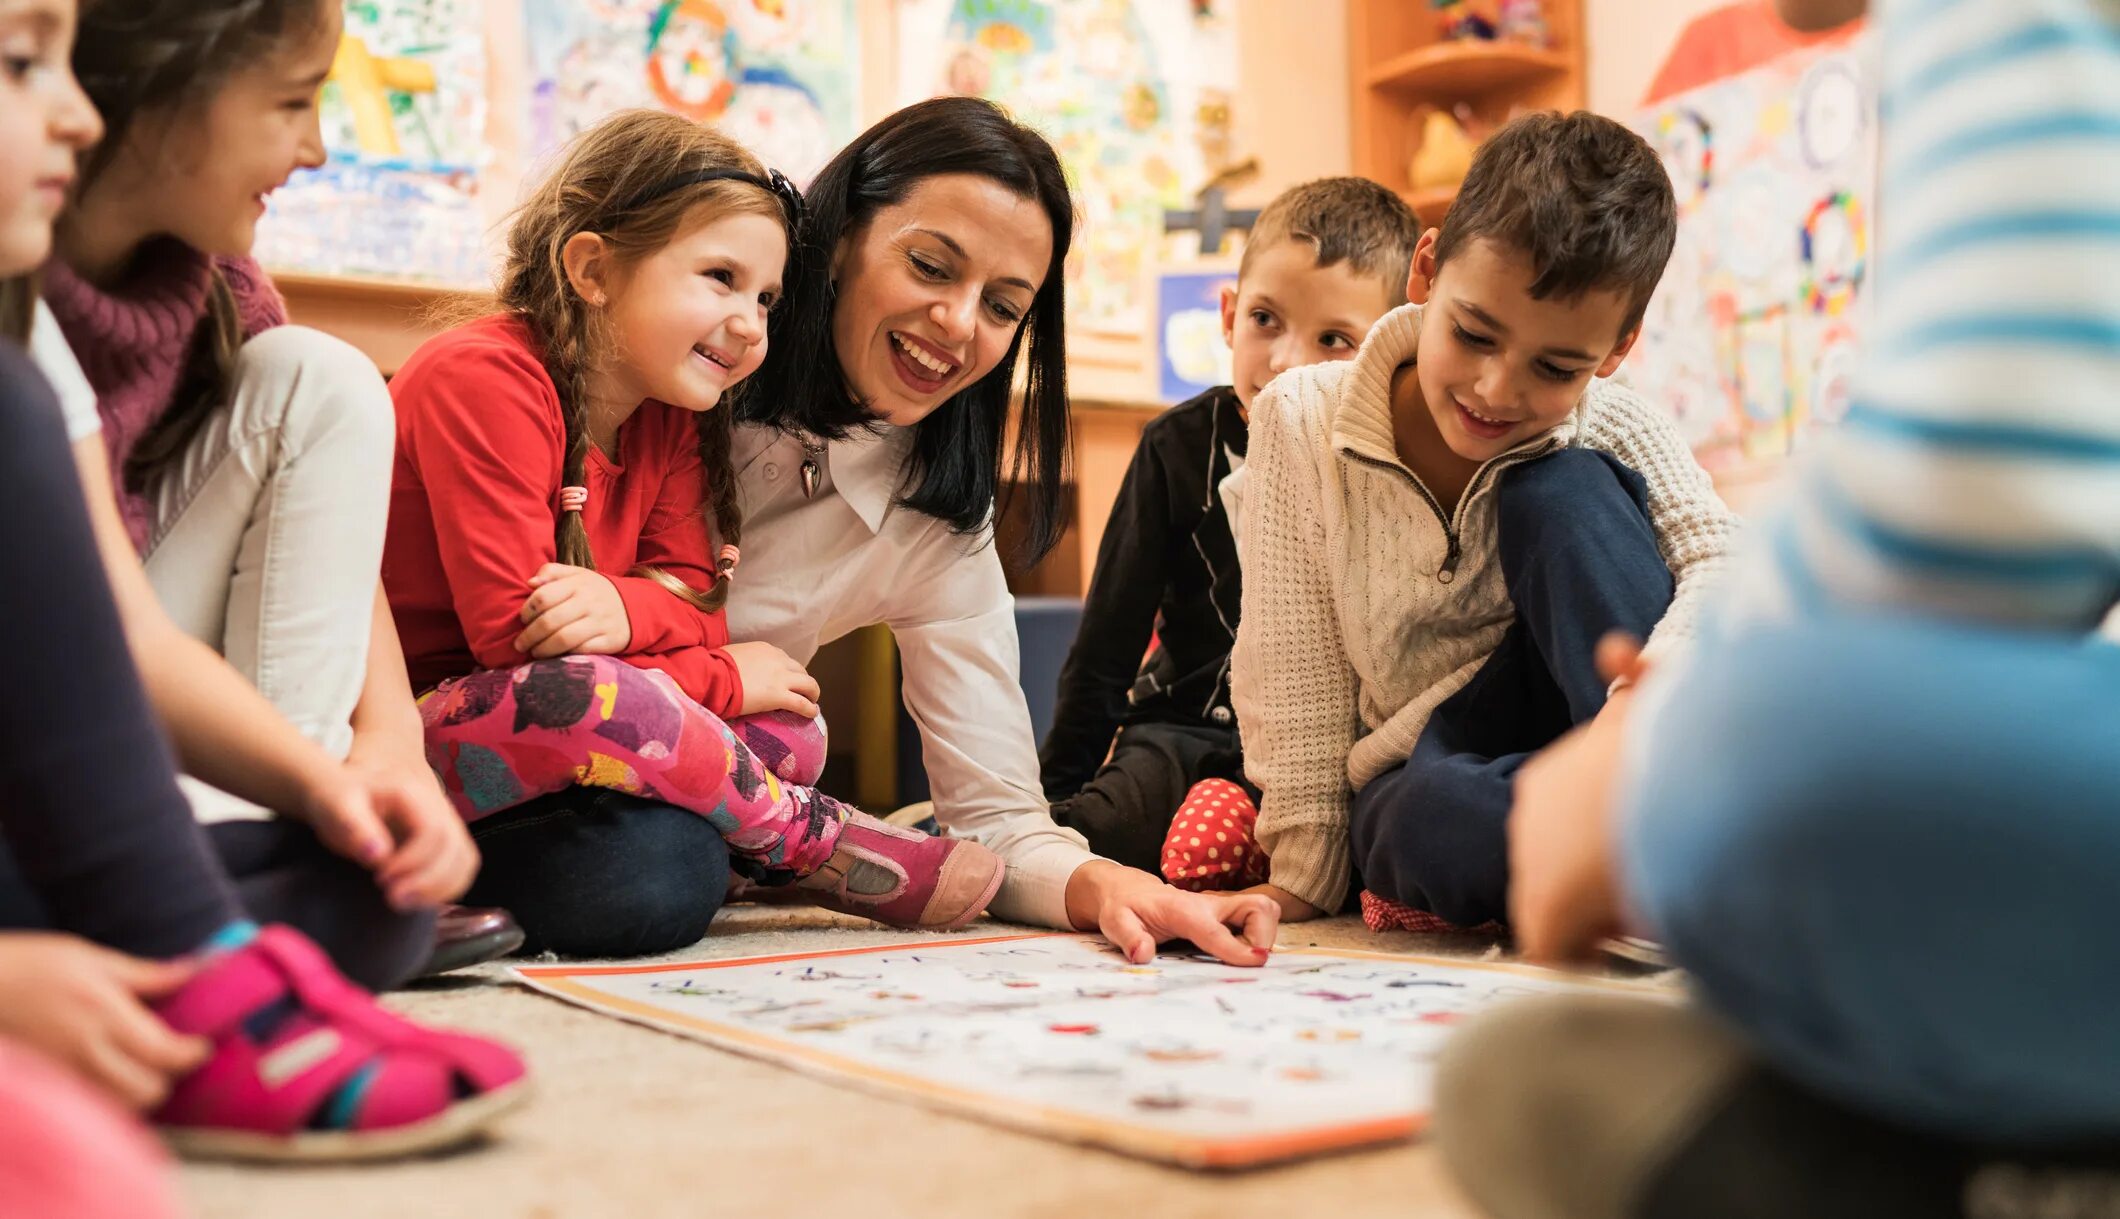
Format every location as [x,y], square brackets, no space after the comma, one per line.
[1324,262]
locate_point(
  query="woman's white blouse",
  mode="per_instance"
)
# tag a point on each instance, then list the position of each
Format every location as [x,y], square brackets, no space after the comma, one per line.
[815,569]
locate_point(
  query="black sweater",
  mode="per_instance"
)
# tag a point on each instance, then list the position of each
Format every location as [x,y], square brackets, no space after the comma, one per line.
[1168,558]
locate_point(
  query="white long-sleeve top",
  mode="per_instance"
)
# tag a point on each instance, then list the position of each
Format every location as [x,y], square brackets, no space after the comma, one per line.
[818,568]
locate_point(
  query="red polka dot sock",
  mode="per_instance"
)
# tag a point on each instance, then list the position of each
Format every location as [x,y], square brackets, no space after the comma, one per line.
[1383,914]
[1211,844]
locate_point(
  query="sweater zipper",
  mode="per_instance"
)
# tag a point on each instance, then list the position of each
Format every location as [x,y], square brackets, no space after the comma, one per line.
[1454,549]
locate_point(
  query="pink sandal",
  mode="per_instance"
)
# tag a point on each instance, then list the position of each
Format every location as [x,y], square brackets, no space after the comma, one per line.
[905,878]
[306,1065]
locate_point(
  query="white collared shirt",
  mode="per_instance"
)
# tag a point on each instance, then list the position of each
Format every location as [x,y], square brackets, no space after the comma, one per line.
[819,568]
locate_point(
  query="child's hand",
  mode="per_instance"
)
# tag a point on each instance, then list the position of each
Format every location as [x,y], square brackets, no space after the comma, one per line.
[572,611]
[1293,909]
[85,1007]
[388,814]
[772,681]
[1136,912]
[1563,883]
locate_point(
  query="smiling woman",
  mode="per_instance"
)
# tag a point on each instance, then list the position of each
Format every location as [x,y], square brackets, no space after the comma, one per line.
[876,446]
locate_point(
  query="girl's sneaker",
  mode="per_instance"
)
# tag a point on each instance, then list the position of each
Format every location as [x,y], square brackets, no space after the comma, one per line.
[905,878]
[307,1066]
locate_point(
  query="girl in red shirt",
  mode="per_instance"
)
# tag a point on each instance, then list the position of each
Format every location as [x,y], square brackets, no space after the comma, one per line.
[574,435]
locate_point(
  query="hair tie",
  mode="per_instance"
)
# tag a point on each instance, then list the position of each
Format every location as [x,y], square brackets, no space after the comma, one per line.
[774,183]
[726,565]
[573,499]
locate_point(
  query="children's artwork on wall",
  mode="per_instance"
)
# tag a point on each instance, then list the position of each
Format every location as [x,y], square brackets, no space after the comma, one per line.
[1750,338]
[1182,1059]
[780,75]
[1194,356]
[1134,94]
[404,121]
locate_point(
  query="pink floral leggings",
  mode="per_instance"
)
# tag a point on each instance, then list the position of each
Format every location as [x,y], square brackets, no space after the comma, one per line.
[500,737]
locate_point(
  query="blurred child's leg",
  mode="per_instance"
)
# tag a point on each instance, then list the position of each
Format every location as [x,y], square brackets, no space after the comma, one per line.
[1126,810]
[268,531]
[1617,1107]
[101,841]
[500,737]
[1905,904]
[591,872]
[284,874]
[1580,560]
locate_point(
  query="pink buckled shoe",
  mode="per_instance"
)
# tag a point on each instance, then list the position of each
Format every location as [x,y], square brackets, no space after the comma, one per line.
[307,1066]
[904,877]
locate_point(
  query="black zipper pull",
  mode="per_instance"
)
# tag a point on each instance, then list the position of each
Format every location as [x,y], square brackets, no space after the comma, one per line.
[1450,562]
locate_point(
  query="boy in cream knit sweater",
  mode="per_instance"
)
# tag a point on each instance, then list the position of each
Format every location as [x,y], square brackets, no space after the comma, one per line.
[1437,533]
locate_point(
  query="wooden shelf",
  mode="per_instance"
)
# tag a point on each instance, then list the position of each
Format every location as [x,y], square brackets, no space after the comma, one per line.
[386,318]
[1452,71]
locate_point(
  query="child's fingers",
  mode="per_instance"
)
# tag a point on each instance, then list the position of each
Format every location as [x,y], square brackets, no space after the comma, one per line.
[805,685]
[542,600]
[1619,656]
[135,1085]
[151,979]
[568,639]
[141,1036]
[550,623]
[550,572]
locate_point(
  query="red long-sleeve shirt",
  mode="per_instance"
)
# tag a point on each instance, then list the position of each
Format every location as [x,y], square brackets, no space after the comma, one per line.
[474,495]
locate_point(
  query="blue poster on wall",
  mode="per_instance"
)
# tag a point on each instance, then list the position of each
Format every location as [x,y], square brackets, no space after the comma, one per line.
[1192,356]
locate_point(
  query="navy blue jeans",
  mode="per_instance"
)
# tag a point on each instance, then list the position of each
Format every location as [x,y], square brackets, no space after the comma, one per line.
[591,872]
[1579,558]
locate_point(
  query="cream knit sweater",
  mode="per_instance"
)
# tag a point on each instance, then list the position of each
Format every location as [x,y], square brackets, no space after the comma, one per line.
[1362,612]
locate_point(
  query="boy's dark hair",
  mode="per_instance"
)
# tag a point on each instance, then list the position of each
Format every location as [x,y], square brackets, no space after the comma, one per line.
[1351,220]
[1585,198]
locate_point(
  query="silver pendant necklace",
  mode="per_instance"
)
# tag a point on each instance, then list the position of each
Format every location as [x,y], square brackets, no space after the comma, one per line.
[812,470]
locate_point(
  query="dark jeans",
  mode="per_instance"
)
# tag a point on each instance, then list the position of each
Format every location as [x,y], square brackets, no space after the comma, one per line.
[95,838]
[1126,810]
[1579,558]
[591,872]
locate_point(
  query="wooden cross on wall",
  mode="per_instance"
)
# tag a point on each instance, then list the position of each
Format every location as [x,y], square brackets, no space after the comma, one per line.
[1212,217]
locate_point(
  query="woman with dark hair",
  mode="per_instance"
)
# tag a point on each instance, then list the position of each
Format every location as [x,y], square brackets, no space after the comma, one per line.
[869,452]
[871,461]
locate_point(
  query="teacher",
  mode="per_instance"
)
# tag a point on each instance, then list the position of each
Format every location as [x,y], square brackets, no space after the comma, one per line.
[869,460]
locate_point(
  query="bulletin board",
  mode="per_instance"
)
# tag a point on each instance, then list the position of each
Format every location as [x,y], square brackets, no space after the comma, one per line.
[1751,338]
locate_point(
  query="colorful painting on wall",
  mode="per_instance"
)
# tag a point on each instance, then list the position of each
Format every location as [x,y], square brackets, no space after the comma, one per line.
[1135,95]
[1750,340]
[404,121]
[780,75]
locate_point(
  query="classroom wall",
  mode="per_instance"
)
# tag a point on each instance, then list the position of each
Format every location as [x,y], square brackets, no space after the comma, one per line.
[1293,112]
[1628,40]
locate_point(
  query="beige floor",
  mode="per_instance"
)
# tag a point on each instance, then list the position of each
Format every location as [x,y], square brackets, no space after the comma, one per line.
[638,1124]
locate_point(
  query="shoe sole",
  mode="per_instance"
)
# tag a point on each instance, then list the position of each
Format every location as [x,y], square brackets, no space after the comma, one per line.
[475,951]
[454,1126]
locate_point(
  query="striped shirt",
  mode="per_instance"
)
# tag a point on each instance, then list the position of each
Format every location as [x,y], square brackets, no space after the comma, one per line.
[1977,474]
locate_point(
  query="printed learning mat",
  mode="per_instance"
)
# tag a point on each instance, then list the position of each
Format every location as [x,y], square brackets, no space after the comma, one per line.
[1183,1059]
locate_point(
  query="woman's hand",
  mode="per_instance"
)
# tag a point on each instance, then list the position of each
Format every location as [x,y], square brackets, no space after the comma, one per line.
[572,611]
[86,1007]
[772,681]
[1136,912]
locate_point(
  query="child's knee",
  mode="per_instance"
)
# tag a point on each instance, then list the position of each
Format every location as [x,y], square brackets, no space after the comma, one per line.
[309,386]
[791,746]
[1535,498]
